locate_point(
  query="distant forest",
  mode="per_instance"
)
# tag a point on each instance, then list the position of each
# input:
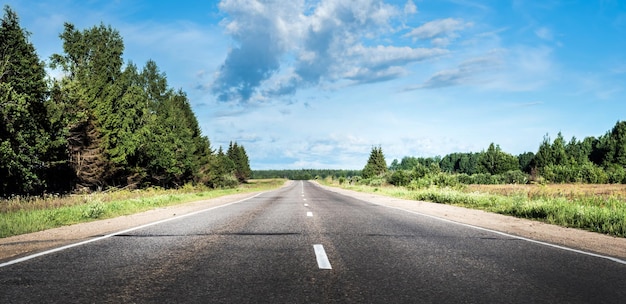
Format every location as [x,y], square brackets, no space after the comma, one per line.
[103,123]
[304,174]
[593,160]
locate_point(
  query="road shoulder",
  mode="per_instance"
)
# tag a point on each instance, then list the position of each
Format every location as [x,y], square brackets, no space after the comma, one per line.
[535,230]
[26,244]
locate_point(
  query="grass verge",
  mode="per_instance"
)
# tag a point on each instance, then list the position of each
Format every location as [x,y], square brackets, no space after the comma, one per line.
[25,215]
[589,212]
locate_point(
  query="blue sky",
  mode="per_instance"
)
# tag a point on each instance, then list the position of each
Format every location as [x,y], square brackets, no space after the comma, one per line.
[317,84]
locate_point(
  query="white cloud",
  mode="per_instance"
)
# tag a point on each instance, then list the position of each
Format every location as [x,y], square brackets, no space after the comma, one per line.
[440,31]
[515,69]
[468,72]
[280,48]
[544,33]
[410,8]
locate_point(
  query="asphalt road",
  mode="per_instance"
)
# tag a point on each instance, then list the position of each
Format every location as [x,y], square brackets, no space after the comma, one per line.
[303,244]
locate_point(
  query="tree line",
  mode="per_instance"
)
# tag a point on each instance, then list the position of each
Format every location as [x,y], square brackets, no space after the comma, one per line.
[103,123]
[305,174]
[591,160]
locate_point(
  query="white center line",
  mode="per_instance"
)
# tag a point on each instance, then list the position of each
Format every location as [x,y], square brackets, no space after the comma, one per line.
[309,213]
[322,258]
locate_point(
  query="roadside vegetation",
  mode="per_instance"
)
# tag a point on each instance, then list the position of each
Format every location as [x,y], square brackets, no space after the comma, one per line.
[575,208]
[21,215]
[534,186]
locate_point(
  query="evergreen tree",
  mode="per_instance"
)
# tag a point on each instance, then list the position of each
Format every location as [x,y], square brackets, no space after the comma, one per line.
[376,164]
[23,134]
[494,161]
[237,154]
[525,161]
[614,145]
[558,153]
[543,157]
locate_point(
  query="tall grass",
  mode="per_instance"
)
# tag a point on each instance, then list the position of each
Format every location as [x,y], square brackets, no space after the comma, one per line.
[603,214]
[25,215]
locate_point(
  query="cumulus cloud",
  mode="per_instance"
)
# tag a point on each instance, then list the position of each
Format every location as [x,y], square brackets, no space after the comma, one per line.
[280,47]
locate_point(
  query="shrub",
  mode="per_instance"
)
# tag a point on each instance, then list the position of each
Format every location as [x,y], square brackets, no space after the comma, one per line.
[399,178]
[465,179]
[515,177]
[482,179]
[420,171]
[593,174]
[94,210]
[446,180]
[616,174]
[375,182]
[421,183]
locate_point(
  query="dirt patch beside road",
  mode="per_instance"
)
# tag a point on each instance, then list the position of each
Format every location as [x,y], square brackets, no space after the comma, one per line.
[25,244]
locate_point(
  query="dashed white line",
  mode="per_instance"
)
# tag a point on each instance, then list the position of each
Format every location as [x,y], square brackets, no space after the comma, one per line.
[309,213]
[321,257]
[306,205]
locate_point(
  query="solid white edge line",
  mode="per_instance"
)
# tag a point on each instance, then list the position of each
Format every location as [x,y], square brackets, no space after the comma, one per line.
[321,257]
[620,261]
[32,256]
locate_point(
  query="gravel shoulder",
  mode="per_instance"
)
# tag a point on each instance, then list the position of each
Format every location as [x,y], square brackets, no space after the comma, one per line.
[22,245]
[26,244]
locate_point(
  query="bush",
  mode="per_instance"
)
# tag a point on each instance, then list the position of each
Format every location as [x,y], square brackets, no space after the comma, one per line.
[593,174]
[421,183]
[420,171]
[514,177]
[225,181]
[561,174]
[94,210]
[483,179]
[446,180]
[374,181]
[465,179]
[399,178]
[616,174]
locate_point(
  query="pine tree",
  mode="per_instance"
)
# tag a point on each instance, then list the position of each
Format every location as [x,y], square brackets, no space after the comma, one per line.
[494,161]
[92,63]
[615,145]
[23,134]
[376,164]
[237,154]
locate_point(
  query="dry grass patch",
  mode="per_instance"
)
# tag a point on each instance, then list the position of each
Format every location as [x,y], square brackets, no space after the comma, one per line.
[568,191]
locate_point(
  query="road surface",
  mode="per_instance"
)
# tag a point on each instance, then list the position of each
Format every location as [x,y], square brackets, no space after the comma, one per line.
[304,244]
